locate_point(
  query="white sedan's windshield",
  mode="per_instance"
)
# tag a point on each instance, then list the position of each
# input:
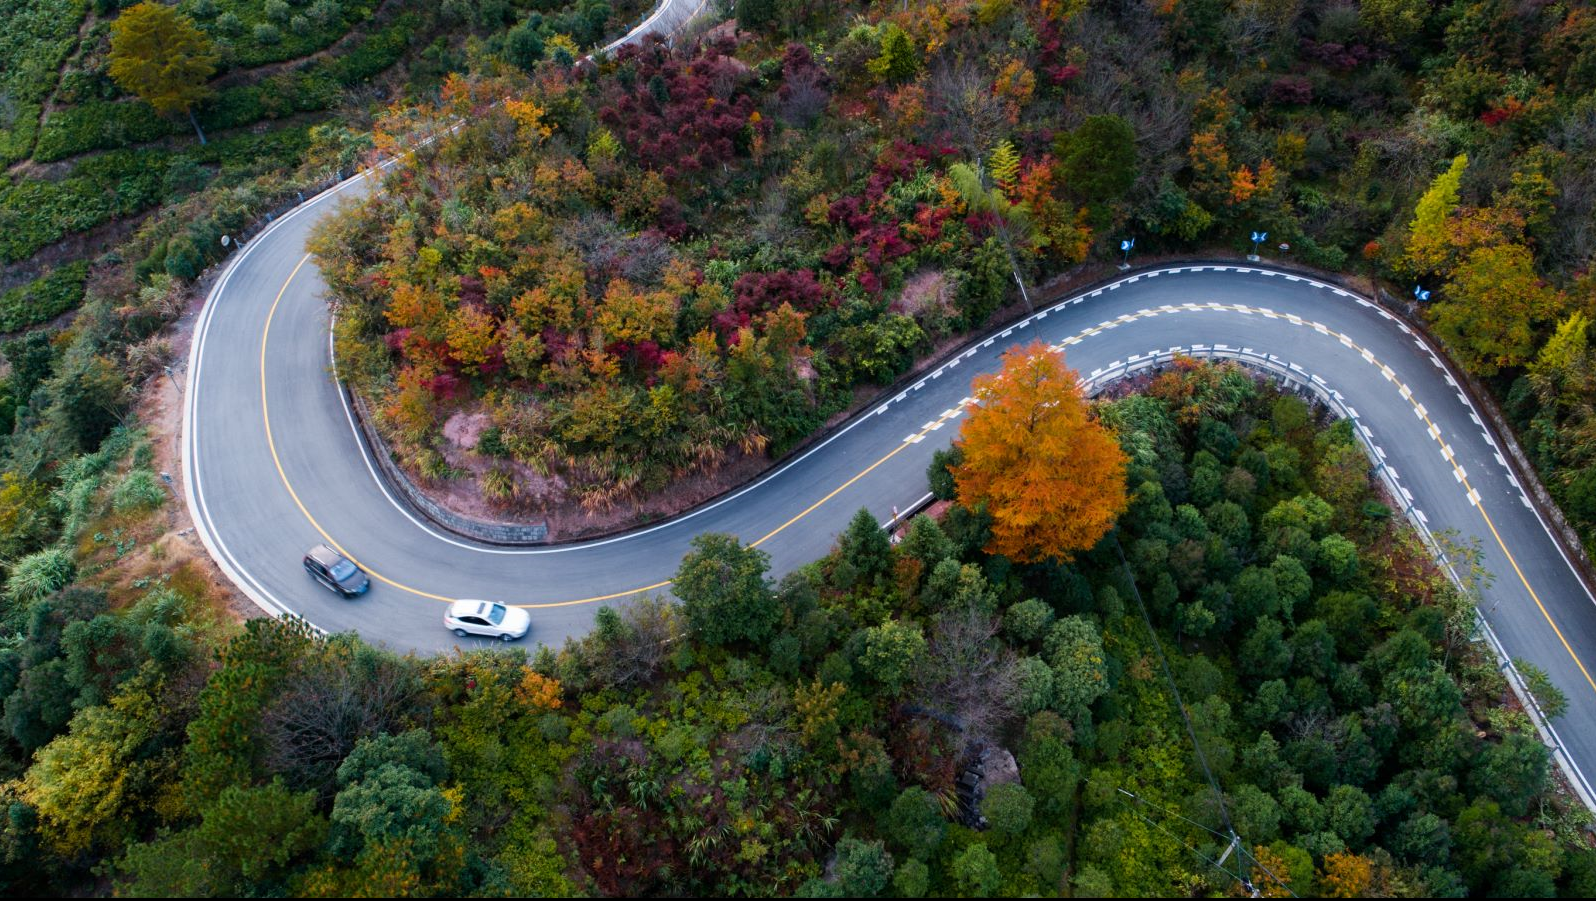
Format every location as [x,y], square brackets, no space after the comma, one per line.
[496,614]
[342,570]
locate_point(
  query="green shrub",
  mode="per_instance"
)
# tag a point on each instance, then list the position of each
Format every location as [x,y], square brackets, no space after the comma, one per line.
[43,298]
[139,490]
[183,259]
[40,575]
[38,36]
[184,176]
[101,125]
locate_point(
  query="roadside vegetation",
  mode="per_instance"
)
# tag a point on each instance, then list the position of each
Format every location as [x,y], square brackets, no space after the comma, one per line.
[658,265]
[635,274]
[286,84]
[66,386]
[818,735]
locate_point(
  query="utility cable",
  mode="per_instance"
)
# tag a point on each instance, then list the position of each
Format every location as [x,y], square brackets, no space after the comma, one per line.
[1232,842]
[1191,731]
[1239,877]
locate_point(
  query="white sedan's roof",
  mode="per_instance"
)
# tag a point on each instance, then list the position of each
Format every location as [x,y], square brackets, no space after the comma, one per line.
[466,607]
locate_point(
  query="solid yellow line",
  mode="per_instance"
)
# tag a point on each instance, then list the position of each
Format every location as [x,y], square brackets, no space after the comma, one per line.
[271,444]
[1519,572]
[1413,402]
[810,509]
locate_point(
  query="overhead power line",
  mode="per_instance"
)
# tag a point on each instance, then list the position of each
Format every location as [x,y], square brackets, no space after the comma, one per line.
[1231,837]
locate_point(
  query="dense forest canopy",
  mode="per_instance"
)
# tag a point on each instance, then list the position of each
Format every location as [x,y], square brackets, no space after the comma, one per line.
[638,270]
[819,735]
[643,268]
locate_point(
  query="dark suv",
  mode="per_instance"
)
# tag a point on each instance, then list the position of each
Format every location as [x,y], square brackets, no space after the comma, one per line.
[336,571]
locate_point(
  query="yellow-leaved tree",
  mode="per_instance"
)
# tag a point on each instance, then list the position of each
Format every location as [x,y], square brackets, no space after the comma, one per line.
[159,55]
[1427,232]
[1050,475]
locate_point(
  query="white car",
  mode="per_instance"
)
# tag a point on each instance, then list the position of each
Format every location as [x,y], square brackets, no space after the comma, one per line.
[487,618]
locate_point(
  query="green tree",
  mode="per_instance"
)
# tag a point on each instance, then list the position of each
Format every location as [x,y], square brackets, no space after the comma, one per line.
[39,705]
[159,55]
[523,46]
[976,871]
[1512,772]
[1393,21]
[864,553]
[892,652]
[1552,701]
[915,823]
[756,14]
[1487,842]
[954,587]
[926,543]
[244,841]
[222,747]
[1349,814]
[413,750]
[1097,161]
[1049,767]
[1033,691]
[1423,838]
[724,591]
[940,472]
[1028,620]
[391,822]
[1008,808]
[912,880]
[899,59]
[863,868]
[1080,671]
[90,785]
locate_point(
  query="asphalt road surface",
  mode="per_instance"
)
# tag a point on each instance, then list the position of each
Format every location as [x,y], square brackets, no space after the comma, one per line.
[273,465]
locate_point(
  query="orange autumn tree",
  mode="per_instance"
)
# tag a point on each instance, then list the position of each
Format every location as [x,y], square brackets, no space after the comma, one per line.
[1050,475]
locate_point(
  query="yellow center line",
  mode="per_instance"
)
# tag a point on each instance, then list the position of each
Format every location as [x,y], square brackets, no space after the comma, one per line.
[1435,430]
[866,471]
[1089,332]
[1516,570]
[271,445]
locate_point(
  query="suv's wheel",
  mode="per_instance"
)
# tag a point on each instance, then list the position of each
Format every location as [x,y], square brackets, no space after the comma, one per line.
[460,632]
[507,637]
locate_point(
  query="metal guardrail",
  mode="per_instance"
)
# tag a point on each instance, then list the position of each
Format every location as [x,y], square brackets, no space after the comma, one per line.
[1300,380]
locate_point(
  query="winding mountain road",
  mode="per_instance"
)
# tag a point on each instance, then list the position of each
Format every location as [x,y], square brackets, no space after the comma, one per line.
[273,464]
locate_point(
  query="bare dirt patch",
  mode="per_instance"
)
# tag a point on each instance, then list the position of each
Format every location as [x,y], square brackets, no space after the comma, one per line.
[464,428]
[174,550]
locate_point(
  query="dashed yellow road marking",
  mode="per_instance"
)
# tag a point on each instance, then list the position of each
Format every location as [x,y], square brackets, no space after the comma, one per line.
[1074,339]
[1476,501]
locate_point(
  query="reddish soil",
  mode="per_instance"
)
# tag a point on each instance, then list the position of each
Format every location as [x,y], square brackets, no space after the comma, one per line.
[159,409]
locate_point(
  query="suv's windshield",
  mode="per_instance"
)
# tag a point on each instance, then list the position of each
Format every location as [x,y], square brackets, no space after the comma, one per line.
[342,570]
[496,614]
